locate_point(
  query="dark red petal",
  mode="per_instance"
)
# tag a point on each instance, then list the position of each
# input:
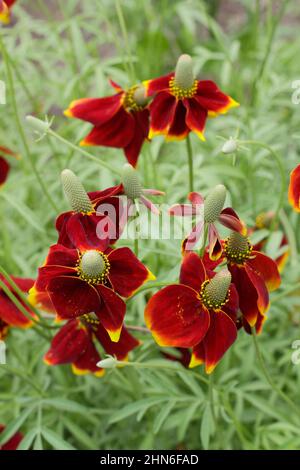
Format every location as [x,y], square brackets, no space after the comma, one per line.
[47,273]
[198,355]
[120,350]
[212,99]
[23,283]
[215,244]
[157,84]
[192,272]
[59,255]
[14,441]
[97,111]
[87,362]
[266,268]
[178,129]
[232,305]
[82,231]
[11,315]
[112,312]
[261,289]
[247,293]
[231,220]
[141,131]
[68,344]
[73,297]
[176,317]
[117,132]
[294,188]
[98,196]
[113,218]
[4,170]
[196,199]
[126,273]
[162,110]
[195,117]
[221,335]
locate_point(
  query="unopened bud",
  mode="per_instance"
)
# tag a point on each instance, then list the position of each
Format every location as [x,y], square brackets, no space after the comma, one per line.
[214,203]
[108,363]
[131,182]
[38,125]
[75,192]
[230,146]
[139,96]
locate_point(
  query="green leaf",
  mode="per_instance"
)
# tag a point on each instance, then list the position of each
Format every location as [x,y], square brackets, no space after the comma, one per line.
[27,440]
[133,408]
[55,440]
[14,426]
[162,416]
[206,426]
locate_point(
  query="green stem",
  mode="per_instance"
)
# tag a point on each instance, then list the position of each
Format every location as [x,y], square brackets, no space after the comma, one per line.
[83,152]
[268,377]
[281,172]
[149,286]
[190,163]
[19,125]
[126,40]
[136,246]
[211,399]
[288,230]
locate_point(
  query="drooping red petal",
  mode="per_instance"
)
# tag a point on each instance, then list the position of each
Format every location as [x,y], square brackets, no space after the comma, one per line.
[149,205]
[14,441]
[232,306]
[192,272]
[68,344]
[11,315]
[231,220]
[195,117]
[111,313]
[162,111]
[261,289]
[194,236]
[221,335]
[112,218]
[126,272]
[141,131]
[266,268]
[4,170]
[176,317]
[178,129]
[215,244]
[157,84]
[97,111]
[211,98]
[294,188]
[73,297]
[198,355]
[86,363]
[196,198]
[120,350]
[99,196]
[117,132]
[183,210]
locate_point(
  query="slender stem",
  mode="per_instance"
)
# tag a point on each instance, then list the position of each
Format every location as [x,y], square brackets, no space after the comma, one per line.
[149,286]
[190,162]
[126,40]
[268,377]
[140,329]
[19,125]
[288,230]
[281,169]
[136,246]
[264,62]
[83,152]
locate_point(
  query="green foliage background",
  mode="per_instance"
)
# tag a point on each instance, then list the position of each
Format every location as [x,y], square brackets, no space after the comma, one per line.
[60,51]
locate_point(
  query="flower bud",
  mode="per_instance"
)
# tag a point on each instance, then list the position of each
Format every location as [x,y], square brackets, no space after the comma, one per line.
[131,182]
[38,125]
[108,363]
[230,146]
[214,292]
[214,203]
[75,193]
[184,74]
